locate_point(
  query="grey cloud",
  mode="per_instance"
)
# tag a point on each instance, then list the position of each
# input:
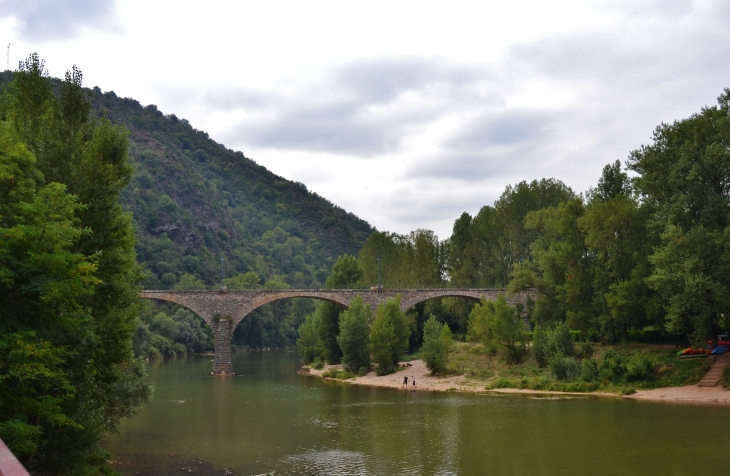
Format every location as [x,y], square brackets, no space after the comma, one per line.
[338,115]
[383,80]
[328,129]
[477,165]
[494,144]
[54,19]
[502,128]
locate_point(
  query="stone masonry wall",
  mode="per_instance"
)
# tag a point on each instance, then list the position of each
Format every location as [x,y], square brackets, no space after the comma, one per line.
[224,310]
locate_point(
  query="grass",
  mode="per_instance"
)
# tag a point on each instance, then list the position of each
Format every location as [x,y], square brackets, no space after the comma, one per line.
[338,374]
[482,366]
[725,379]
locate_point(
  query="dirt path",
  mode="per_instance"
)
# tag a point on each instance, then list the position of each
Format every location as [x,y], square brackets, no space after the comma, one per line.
[713,376]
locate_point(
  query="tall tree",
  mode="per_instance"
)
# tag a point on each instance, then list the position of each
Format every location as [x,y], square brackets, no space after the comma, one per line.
[684,174]
[389,335]
[346,273]
[617,237]
[89,157]
[559,267]
[354,338]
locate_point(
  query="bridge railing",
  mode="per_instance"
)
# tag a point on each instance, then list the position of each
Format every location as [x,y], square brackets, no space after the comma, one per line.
[217,287]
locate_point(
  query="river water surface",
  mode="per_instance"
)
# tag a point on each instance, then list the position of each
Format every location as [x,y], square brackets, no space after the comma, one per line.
[269,420]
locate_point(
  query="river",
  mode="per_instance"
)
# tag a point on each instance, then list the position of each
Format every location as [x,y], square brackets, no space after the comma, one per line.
[269,420]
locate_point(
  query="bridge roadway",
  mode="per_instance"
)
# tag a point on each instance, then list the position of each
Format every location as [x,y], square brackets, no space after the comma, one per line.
[224,310]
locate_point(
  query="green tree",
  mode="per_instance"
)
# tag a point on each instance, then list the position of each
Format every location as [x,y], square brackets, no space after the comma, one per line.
[248,280]
[559,267]
[188,282]
[309,345]
[617,236]
[89,158]
[354,337]
[685,176]
[389,335]
[497,322]
[437,341]
[346,273]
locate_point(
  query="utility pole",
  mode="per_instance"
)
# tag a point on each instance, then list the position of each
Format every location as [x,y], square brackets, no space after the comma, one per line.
[222,286]
[379,286]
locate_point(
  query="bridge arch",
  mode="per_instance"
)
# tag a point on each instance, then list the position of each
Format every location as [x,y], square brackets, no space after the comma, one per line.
[223,311]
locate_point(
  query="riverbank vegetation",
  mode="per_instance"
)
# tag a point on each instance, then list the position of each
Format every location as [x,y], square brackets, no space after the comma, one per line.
[644,258]
[68,276]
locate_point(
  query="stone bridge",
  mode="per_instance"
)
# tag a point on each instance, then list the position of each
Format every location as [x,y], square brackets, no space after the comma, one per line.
[224,310]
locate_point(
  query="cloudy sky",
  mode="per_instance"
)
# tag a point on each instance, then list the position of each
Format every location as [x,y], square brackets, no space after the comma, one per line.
[406,113]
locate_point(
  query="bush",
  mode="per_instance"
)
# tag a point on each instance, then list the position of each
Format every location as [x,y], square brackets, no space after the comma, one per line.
[639,367]
[437,341]
[725,380]
[585,351]
[564,367]
[540,346]
[589,370]
[561,341]
[309,344]
[612,368]
[499,323]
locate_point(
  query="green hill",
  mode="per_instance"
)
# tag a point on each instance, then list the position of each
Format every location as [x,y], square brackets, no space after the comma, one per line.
[195,201]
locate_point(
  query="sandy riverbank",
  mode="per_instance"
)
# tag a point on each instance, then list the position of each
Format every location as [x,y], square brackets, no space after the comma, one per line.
[424,381]
[690,394]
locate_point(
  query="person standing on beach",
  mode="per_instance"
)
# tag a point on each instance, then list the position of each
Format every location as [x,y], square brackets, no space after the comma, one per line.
[405,381]
[413,379]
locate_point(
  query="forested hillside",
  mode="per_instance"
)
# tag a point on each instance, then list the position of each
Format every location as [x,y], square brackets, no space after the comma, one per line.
[195,201]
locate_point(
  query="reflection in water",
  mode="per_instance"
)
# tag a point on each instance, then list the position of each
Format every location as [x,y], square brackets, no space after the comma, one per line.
[268,420]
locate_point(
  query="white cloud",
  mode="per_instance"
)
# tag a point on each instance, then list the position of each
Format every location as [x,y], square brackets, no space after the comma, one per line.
[46,20]
[409,113]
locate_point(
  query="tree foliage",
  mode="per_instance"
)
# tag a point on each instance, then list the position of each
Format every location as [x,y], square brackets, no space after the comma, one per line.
[437,341]
[354,337]
[685,176]
[497,323]
[389,336]
[68,302]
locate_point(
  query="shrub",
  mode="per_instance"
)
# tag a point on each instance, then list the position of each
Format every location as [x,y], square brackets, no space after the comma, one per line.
[589,370]
[563,367]
[725,380]
[309,344]
[499,323]
[437,341]
[585,350]
[561,341]
[612,368]
[540,346]
[639,367]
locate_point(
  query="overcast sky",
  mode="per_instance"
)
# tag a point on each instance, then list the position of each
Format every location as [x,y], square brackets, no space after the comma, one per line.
[406,113]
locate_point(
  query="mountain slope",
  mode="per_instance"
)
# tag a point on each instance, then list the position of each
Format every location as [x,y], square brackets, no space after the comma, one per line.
[195,201]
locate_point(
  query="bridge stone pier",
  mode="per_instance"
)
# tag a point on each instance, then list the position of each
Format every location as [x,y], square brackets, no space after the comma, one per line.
[224,310]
